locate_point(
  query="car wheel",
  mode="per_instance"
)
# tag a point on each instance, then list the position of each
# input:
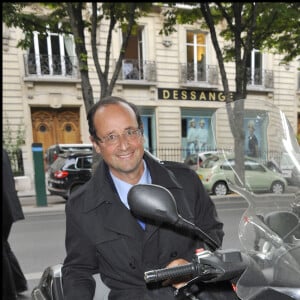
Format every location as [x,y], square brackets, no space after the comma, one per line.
[277,187]
[220,188]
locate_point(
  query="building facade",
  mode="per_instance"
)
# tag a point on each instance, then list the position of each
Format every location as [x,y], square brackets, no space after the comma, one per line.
[174,80]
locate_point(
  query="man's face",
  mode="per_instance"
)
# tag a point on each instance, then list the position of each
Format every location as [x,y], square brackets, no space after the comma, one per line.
[251,129]
[124,156]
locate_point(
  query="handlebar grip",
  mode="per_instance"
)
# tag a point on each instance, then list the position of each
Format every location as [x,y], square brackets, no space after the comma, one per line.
[170,273]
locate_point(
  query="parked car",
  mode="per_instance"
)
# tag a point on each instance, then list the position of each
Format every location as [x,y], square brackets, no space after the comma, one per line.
[68,172]
[216,171]
[53,151]
[289,169]
[195,160]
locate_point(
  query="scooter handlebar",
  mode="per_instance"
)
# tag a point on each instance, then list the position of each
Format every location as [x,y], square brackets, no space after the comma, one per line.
[170,273]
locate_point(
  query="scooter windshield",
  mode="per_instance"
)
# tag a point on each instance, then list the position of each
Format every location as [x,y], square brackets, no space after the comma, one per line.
[259,158]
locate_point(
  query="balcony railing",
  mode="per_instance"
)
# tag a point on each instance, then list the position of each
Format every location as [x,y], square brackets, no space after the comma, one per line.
[51,65]
[260,77]
[133,69]
[198,73]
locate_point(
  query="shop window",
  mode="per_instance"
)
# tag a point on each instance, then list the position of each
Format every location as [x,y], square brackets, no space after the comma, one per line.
[197,132]
[148,119]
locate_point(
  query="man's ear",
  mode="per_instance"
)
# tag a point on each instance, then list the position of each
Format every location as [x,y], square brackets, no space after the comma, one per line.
[95,145]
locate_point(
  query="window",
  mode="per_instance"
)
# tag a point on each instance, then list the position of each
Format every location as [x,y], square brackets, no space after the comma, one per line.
[134,56]
[197,135]
[254,68]
[52,55]
[148,119]
[196,56]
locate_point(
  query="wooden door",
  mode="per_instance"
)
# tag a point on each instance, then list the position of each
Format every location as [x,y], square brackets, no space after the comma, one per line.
[55,126]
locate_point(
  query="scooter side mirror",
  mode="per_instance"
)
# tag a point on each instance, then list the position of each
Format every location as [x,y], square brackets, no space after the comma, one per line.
[153,202]
[156,203]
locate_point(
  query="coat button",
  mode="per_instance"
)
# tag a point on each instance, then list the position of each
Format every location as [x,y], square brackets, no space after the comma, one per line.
[173,254]
[132,266]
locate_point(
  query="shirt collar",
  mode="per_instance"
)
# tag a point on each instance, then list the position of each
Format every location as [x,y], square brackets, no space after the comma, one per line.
[123,187]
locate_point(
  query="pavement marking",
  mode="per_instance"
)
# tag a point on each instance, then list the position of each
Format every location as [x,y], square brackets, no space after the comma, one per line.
[33,276]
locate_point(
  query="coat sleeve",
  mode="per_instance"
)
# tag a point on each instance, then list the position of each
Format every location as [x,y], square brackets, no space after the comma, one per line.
[80,263]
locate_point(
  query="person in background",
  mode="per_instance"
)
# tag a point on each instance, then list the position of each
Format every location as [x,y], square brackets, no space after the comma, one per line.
[102,234]
[252,140]
[13,279]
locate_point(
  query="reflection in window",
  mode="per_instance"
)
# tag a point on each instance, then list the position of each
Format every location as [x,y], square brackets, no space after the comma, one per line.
[196,56]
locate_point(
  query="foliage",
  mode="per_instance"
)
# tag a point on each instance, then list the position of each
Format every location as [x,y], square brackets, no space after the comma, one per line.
[244,26]
[74,18]
[275,25]
[13,140]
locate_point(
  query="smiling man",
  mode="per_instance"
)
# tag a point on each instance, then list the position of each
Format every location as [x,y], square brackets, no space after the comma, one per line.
[103,236]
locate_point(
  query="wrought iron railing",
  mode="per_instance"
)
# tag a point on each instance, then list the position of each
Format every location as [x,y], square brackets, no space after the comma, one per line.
[260,77]
[191,72]
[51,65]
[133,69]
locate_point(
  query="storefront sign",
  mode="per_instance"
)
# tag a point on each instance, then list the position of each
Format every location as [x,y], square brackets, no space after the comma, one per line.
[192,95]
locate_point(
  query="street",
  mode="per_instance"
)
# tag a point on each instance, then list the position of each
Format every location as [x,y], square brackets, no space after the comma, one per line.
[38,241]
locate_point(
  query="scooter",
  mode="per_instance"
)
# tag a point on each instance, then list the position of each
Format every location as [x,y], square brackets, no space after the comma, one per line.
[271,271]
[268,264]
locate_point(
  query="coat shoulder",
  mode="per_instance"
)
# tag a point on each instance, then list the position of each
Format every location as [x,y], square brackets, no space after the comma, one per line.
[176,166]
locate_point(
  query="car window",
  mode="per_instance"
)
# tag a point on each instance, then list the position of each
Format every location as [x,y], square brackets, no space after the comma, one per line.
[251,165]
[227,165]
[210,162]
[58,163]
[84,162]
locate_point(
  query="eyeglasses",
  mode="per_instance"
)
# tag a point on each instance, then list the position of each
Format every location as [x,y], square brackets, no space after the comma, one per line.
[113,139]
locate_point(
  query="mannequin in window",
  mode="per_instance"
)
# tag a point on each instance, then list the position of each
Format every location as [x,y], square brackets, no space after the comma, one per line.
[192,142]
[202,135]
[252,140]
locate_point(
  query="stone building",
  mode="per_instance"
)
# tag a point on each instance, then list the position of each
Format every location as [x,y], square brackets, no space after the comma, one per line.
[173,79]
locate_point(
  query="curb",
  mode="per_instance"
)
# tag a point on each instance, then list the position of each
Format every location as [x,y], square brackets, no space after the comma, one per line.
[54,204]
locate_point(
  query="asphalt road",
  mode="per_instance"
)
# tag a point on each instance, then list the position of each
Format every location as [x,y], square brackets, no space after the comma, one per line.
[38,241]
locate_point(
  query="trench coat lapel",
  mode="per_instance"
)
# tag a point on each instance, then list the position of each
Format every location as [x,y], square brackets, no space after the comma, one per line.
[160,176]
[119,218]
[102,197]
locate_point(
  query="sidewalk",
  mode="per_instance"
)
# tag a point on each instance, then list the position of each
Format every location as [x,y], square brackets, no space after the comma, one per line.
[29,203]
